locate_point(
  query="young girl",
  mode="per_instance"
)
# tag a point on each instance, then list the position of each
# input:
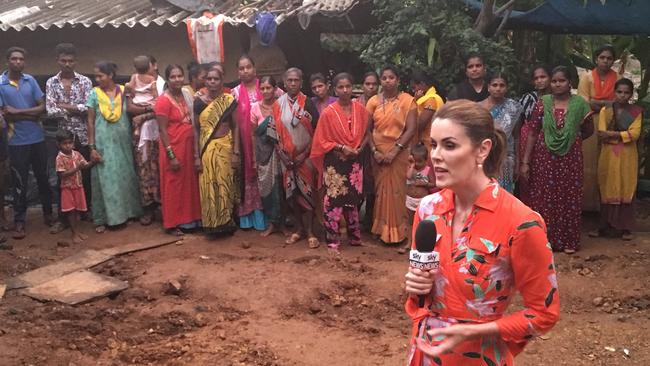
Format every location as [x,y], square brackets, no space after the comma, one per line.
[321,89]
[69,163]
[420,182]
[619,127]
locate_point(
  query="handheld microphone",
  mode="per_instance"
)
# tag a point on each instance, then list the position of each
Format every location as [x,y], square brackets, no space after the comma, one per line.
[423,257]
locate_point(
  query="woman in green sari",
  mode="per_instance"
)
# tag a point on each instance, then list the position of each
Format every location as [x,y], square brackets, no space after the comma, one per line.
[115,193]
[219,154]
[269,168]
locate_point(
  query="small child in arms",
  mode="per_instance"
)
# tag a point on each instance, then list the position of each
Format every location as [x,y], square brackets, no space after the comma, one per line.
[420,182]
[69,163]
[143,91]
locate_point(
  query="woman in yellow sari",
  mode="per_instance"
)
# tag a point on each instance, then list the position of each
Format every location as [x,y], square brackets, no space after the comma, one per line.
[219,154]
[393,124]
[619,127]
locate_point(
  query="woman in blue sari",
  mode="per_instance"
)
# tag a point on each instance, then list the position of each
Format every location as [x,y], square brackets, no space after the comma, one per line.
[507,116]
[269,168]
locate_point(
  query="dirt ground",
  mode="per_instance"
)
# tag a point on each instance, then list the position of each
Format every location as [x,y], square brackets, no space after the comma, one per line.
[245,300]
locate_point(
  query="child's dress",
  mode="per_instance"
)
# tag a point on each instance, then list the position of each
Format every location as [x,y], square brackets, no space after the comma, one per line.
[145,95]
[423,175]
[72,190]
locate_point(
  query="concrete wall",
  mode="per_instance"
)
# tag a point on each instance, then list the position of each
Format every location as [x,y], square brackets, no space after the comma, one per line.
[167,43]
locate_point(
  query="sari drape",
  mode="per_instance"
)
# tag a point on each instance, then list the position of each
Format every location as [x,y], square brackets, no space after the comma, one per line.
[216,181]
[390,219]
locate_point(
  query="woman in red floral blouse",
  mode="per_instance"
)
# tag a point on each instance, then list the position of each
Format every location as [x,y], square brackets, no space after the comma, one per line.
[490,246]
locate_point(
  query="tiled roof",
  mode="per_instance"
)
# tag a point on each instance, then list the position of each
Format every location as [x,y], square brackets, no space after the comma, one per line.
[34,14]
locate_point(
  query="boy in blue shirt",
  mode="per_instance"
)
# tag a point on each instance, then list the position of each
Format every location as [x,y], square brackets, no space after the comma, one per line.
[22,103]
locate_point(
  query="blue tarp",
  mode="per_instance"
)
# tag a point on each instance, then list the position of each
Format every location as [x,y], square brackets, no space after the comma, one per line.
[629,17]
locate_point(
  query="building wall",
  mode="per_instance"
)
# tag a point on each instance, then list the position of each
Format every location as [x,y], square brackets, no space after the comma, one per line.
[167,43]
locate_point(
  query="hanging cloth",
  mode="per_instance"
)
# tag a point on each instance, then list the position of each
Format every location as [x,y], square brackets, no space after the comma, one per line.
[206,37]
[266,27]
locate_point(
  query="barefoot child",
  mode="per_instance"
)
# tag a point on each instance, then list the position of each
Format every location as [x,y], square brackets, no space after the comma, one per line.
[420,182]
[69,163]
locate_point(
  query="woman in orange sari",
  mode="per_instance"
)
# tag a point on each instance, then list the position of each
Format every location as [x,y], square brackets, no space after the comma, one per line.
[336,153]
[597,88]
[393,125]
[294,119]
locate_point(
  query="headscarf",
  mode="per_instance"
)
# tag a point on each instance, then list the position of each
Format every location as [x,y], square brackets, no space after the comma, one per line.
[431,93]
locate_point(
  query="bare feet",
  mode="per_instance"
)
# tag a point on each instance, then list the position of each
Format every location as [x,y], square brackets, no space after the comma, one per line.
[269,230]
[78,238]
[293,239]
[313,242]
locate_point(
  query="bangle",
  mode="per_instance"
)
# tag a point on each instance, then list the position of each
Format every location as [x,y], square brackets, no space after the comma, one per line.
[92,147]
[170,153]
[400,146]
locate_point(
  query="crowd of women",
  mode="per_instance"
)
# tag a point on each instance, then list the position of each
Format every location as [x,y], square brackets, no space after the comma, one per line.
[270,159]
[260,157]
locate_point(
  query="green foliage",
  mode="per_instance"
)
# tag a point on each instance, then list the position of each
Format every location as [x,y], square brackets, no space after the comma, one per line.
[433,35]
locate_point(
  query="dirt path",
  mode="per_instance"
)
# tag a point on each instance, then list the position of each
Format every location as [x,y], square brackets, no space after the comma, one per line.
[250,301]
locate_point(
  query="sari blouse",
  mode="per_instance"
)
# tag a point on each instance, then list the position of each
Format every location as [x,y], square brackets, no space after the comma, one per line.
[501,249]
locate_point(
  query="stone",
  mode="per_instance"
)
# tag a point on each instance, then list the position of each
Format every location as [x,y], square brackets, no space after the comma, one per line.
[597,301]
[62,244]
[173,287]
[77,288]
[246,244]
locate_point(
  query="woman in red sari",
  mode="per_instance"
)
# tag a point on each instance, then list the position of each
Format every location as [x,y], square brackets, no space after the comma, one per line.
[294,118]
[179,188]
[338,140]
[558,125]
[490,246]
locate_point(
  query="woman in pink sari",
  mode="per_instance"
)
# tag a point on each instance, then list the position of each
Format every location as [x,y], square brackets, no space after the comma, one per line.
[251,214]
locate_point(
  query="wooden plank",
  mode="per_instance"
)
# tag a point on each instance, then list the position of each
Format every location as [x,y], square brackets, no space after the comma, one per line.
[82,260]
[137,246]
[76,288]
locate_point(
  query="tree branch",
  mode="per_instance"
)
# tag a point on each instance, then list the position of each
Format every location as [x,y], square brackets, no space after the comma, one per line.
[506,6]
[504,20]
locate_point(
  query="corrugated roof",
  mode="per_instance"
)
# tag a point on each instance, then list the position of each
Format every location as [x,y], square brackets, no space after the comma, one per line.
[34,14]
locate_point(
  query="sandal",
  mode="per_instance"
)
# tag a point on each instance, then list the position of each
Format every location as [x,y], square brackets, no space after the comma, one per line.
[19,231]
[595,233]
[293,239]
[313,242]
[57,227]
[100,229]
[333,248]
[569,251]
[146,219]
[176,232]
